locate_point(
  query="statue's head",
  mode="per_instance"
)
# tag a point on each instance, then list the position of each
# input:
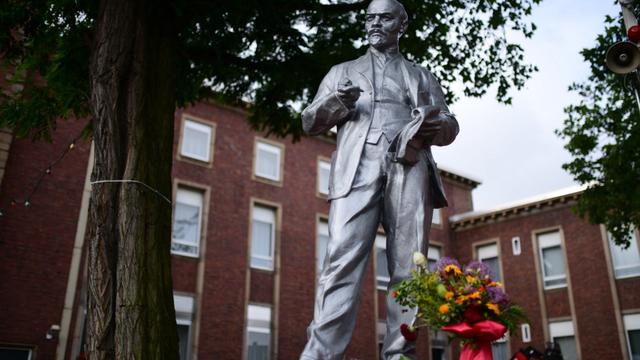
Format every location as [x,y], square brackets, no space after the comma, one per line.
[385,22]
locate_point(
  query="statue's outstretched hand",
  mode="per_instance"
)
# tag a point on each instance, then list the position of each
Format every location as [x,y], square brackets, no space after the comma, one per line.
[348,93]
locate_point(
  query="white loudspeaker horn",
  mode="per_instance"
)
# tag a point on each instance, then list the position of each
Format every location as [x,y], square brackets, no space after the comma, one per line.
[623,57]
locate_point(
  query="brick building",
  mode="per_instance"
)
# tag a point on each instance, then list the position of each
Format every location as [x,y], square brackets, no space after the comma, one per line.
[249,231]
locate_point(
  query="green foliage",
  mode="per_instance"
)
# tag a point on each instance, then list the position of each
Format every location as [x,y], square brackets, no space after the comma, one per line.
[603,136]
[271,54]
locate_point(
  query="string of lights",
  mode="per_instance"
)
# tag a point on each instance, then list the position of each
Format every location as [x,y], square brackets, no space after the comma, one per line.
[26,201]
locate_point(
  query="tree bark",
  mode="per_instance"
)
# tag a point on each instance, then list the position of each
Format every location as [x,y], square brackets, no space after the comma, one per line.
[131,313]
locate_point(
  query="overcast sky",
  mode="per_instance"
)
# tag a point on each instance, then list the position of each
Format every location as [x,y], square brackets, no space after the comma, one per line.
[513,149]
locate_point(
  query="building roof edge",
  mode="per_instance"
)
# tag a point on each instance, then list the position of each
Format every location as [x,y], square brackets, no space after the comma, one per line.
[561,196]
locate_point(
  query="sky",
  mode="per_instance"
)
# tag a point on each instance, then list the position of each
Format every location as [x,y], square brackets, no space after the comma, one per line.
[512,149]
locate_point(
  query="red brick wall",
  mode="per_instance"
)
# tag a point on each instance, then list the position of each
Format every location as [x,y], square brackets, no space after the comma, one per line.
[36,242]
[593,300]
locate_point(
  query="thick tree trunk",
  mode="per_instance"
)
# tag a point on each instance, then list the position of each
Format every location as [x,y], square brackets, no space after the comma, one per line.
[131,313]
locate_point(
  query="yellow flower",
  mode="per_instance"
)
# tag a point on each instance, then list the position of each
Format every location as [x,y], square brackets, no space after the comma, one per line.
[444,308]
[453,268]
[495,284]
[448,295]
[470,279]
[494,307]
[475,295]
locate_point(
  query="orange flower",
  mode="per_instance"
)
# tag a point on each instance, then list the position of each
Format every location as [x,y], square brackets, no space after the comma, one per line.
[460,299]
[494,307]
[444,308]
[448,295]
[394,294]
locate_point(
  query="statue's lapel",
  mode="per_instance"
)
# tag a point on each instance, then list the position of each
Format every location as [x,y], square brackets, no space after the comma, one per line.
[412,78]
[363,66]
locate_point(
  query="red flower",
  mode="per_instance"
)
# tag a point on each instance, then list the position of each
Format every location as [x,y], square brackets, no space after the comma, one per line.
[408,332]
[472,315]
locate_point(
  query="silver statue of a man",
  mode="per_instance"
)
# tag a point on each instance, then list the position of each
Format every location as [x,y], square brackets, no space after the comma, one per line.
[388,112]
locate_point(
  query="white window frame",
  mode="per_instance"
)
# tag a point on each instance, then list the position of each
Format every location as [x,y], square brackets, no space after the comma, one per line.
[326,166]
[184,307]
[631,323]
[487,252]
[434,253]
[545,243]
[262,145]
[266,214]
[191,197]
[322,228]
[201,127]
[503,340]
[381,331]
[436,218]
[561,329]
[259,315]
[613,248]
[381,244]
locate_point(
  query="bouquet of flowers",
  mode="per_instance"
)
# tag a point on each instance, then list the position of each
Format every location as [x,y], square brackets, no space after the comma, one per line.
[464,301]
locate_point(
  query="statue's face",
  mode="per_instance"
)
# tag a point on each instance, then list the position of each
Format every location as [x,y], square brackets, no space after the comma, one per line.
[383,24]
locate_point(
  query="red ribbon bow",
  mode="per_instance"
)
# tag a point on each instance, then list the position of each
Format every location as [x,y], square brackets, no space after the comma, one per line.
[482,334]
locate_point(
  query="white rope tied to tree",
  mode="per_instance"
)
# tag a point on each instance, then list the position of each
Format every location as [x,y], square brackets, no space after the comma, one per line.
[133,182]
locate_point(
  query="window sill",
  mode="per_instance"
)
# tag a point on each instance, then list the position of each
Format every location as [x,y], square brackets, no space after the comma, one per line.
[261,269]
[623,277]
[555,287]
[187,255]
[268,181]
[194,161]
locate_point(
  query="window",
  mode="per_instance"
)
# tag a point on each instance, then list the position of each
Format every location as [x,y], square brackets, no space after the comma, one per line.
[322,240]
[632,330]
[196,140]
[488,254]
[381,330]
[552,259]
[382,268]
[258,332]
[499,349]
[439,344]
[324,168]
[263,235]
[187,220]
[626,262]
[184,317]
[15,353]
[433,255]
[267,161]
[562,333]
[437,217]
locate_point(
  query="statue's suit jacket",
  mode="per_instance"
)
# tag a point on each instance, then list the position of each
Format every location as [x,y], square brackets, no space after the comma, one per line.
[327,111]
